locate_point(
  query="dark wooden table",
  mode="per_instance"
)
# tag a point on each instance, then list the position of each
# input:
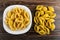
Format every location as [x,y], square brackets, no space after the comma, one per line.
[30,35]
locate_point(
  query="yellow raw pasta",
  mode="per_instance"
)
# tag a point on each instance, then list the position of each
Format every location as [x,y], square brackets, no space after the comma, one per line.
[44,19]
[39,7]
[44,8]
[42,32]
[51,8]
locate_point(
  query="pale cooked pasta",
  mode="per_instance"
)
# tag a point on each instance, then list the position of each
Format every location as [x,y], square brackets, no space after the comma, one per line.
[17,18]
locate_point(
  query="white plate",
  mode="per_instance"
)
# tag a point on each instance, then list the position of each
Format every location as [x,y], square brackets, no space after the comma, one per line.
[18,31]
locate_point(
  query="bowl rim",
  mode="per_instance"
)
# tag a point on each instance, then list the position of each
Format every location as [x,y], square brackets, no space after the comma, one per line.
[14,32]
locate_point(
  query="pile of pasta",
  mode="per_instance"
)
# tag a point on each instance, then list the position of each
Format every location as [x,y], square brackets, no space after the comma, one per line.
[17,19]
[44,19]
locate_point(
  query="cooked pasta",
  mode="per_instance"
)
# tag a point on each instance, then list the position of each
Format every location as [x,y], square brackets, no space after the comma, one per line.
[17,19]
[44,19]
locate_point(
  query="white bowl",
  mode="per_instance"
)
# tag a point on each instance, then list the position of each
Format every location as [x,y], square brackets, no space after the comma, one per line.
[18,31]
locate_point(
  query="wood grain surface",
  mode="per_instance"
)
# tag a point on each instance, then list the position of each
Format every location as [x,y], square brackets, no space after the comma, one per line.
[30,35]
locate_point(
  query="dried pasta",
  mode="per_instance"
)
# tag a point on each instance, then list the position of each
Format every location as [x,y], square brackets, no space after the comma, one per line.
[44,19]
[17,19]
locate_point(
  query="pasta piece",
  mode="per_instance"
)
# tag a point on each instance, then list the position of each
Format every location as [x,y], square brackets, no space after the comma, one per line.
[9,14]
[36,28]
[42,32]
[15,26]
[51,8]
[51,20]
[45,15]
[39,7]
[13,16]
[10,23]
[21,26]
[35,20]
[53,16]
[41,13]
[37,13]
[44,8]
[52,27]
[41,27]
[40,21]
[47,30]
[26,15]
[49,13]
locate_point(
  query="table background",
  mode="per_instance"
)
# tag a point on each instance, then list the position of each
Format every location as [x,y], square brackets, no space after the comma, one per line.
[30,35]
